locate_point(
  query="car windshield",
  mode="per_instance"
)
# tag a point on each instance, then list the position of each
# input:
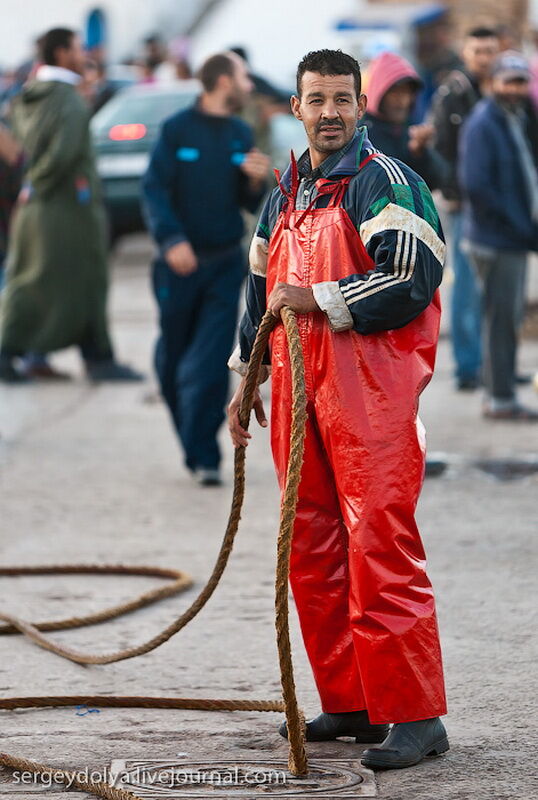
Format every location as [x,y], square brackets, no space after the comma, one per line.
[147,108]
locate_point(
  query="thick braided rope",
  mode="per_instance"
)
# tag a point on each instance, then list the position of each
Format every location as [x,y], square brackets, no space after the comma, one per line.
[295,719]
[33,631]
[125,701]
[180,582]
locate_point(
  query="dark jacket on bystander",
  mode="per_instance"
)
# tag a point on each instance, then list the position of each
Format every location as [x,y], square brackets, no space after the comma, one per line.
[497,204]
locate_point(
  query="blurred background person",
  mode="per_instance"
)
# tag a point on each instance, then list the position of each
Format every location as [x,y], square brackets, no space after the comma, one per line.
[176,66]
[203,171]
[266,101]
[392,90]
[88,85]
[95,87]
[435,57]
[146,70]
[56,272]
[499,177]
[534,68]
[154,49]
[509,38]
[452,104]
[11,160]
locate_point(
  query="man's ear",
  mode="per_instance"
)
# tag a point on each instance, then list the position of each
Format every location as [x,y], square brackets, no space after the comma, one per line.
[362,103]
[296,107]
[223,82]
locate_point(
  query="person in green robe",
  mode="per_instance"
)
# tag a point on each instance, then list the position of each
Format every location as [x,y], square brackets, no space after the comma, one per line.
[56,267]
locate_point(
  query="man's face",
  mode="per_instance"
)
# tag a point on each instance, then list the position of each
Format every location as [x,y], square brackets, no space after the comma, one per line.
[239,85]
[398,102]
[72,57]
[479,55]
[329,110]
[511,92]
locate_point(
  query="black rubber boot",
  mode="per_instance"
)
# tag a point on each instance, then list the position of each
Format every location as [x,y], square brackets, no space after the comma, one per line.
[328,727]
[407,744]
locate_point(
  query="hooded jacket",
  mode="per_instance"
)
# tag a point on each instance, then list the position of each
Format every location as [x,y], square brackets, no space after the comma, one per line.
[391,138]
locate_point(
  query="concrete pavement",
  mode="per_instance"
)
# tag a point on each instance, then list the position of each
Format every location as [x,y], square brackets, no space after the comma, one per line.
[93,475]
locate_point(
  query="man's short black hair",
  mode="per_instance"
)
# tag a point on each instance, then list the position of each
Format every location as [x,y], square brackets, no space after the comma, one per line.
[329,62]
[482,33]
[213,68]
[52,40]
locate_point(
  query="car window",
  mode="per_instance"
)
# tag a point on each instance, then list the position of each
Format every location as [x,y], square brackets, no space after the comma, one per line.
[146,108]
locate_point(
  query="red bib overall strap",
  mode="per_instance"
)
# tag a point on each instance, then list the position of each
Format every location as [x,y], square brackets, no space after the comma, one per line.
[324,186]
[291,193]
[335,188]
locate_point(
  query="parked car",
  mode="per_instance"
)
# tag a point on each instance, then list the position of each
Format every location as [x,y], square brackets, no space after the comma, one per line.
[124,131]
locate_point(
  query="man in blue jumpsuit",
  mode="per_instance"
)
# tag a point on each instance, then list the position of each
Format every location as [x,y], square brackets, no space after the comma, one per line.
[203,171]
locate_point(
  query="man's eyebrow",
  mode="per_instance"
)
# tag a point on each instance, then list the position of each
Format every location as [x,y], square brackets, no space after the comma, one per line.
[342,93]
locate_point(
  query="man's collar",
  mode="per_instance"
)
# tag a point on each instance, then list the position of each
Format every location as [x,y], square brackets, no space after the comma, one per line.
[348,158]
[49,72]
[304,164]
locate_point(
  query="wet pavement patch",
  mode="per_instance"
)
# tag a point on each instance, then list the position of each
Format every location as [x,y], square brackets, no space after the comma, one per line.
[241,778]
[508,469]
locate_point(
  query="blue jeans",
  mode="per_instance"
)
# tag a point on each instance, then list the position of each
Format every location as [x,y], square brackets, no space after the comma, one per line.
[198,316]
[466,313]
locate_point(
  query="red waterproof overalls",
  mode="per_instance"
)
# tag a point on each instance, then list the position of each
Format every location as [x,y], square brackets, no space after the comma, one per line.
[357,571]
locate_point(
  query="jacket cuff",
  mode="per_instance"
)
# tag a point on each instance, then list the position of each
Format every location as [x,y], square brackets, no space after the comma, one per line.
[171,241]
[330,299]
[235,363]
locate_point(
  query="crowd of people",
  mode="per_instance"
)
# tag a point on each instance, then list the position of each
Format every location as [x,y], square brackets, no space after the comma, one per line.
[476,148]
[486,175]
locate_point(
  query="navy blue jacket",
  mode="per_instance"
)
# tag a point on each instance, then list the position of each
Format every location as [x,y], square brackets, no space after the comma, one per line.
[194,189]
[497,210]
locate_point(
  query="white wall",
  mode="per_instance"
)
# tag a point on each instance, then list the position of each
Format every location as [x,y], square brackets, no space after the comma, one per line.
[533,13]
[24,20]
[128,22]
[277,33]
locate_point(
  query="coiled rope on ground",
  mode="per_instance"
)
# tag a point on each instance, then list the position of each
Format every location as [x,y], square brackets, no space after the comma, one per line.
[297,761]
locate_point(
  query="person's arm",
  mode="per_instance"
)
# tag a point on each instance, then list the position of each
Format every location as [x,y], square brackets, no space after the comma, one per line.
[255,294]
[250,322]
[446,119]
[158,186]
[446,131]
[253,172]
[400,229]
[431,166]
[10,149]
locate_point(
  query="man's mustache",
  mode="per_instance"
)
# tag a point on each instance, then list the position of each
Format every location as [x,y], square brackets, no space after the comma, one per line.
[321,126]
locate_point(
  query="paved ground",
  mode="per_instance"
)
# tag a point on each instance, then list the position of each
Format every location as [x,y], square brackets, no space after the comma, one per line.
[93,475]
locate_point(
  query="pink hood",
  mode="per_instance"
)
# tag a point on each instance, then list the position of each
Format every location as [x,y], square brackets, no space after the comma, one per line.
[383,72]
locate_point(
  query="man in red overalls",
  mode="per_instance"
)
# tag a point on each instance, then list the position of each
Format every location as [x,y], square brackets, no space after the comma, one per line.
[351,241]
